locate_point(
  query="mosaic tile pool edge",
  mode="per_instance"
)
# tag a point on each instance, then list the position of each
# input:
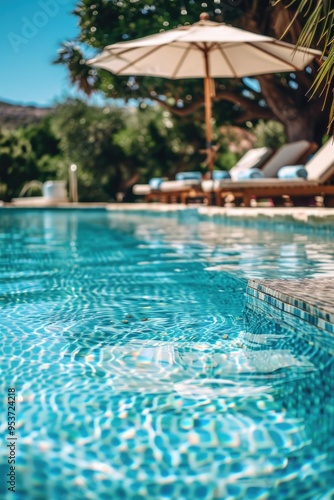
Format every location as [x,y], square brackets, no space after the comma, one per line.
[303,320]
[311,307]
[257,312]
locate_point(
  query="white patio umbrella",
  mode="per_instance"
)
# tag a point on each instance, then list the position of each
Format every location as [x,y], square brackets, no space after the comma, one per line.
[206,50]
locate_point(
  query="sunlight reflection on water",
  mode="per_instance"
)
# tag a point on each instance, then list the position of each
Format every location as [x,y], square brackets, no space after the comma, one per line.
[136,372]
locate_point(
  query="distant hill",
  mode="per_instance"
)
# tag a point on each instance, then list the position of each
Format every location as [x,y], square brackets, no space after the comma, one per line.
[14,115]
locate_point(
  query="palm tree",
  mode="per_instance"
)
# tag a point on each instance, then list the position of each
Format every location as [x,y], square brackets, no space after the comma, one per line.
[80,74]
[318,30]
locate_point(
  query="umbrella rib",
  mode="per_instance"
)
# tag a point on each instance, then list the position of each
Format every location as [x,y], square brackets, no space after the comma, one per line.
[181,61]
[261,49]
[227,62]
[155,49]
[101,58]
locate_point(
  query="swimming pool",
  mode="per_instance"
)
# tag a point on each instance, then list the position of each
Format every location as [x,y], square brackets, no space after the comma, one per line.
[136,371]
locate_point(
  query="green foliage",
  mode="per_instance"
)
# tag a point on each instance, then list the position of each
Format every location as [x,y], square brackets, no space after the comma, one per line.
[27,154]
[115,147]
[318,29]
[108,21]
[70,54]
[226,160]
[270,134]
[85,134]
[112,147]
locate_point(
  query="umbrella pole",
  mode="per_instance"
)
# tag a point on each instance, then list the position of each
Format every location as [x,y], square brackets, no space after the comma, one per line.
[208,122]
[208,111]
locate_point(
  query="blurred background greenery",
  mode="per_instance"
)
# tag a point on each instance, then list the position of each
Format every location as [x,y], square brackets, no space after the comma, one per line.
[115,147]
[155,127]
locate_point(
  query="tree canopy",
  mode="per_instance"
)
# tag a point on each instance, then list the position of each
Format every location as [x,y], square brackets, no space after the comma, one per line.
[27,154]
[282,97]
[115,147]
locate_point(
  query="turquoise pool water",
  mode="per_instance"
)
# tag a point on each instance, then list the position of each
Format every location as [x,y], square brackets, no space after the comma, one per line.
[138,374]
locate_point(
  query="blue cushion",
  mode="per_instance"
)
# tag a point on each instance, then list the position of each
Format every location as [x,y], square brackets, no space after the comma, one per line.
[188,176]
[251,173]
[155,182]
[218,175]
[292,172]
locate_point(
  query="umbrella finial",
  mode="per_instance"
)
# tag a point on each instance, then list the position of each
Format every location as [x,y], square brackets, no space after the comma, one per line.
[204,16]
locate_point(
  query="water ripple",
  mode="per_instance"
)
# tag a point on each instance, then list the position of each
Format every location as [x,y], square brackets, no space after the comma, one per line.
[138,374]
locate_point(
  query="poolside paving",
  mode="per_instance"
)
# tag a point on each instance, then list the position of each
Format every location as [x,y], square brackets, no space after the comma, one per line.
[305,215]
[45,204]
[310,215]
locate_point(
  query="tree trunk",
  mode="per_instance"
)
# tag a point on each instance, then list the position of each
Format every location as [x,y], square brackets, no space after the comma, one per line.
[297,116]
[302,118]
[302,127]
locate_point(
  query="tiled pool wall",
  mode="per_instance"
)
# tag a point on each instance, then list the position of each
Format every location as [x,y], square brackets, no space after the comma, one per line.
[310,317]
[284,315]
[308,395]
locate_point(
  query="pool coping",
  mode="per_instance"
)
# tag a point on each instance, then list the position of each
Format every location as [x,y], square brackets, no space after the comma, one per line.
[304,214]
[308,219]
[53,206]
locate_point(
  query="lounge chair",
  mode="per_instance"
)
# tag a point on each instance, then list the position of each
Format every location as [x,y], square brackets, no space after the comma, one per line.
[319,182]
[188,184]
[290,154]
[253,159]
[164,190]
[185,183]
[248,166]
[145,189]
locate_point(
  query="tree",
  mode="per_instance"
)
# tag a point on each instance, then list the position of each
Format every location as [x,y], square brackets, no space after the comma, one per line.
[85,134]
[115,147]
[281,96]
[27,154]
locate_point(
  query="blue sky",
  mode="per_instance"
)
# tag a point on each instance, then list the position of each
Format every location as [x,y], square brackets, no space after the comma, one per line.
[30,33]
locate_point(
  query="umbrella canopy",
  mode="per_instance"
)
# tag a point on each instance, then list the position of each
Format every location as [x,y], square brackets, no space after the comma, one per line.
[203,50]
